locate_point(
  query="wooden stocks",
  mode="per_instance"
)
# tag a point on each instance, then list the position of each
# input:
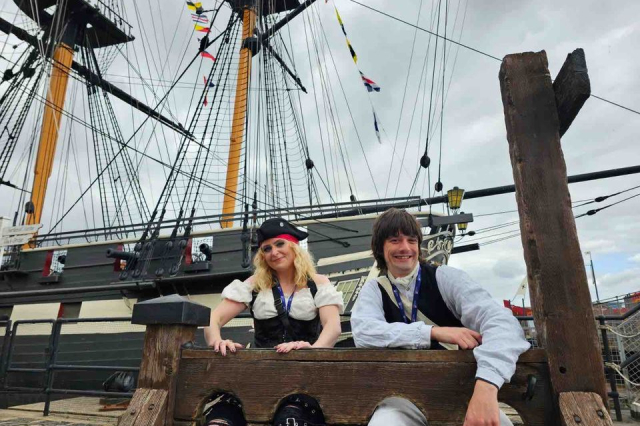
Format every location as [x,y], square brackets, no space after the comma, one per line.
[559,292]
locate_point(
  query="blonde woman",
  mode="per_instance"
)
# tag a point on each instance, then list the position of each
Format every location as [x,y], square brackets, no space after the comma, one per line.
[288,301]
[286,297]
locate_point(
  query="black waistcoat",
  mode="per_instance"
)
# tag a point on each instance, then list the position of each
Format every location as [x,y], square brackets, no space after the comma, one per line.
[271,332]
[430,303]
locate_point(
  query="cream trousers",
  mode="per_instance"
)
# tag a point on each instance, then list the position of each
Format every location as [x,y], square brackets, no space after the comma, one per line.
[401,412]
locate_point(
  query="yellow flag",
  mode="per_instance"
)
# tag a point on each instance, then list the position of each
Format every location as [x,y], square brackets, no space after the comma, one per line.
[194,6]
[202,28]
[339,18]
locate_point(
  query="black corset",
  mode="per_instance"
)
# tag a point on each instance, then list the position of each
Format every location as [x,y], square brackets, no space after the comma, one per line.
[270,332]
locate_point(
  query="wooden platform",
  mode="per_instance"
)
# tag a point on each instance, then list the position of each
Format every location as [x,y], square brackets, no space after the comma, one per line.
[26,418]
[71,411]
[82,411]
[31,415]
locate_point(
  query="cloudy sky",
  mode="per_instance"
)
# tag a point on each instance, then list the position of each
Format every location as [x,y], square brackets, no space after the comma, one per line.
[474,146]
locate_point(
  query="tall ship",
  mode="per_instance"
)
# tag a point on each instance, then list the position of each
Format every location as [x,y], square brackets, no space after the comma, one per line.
[142,145]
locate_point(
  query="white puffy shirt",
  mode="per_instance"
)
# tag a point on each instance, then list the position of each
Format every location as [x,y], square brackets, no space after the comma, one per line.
[303,306]
[502,337]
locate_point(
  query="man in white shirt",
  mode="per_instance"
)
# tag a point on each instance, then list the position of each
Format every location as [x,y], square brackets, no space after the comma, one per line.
[441,307]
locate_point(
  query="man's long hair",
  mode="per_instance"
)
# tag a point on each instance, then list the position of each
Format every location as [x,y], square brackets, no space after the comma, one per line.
[392,223]
[263,275]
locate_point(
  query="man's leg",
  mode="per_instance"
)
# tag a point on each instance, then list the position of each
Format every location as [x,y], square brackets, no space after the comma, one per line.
[397,411]
[401,412]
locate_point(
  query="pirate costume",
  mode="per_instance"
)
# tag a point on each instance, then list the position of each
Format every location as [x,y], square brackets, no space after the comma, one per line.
[434,296]
[279,318]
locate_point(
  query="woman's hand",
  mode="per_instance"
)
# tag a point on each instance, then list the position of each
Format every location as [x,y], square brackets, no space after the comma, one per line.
[221,346]
[283,348]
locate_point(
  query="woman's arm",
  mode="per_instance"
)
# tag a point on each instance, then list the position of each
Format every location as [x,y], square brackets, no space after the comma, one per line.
[329,317]
[331,329]
[222,314]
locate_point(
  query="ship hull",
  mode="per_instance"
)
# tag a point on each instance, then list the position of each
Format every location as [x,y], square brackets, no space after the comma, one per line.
[82,290]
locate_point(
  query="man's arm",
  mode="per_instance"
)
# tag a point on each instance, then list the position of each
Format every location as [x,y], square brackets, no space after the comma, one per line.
[502,340]
[502,336]
[371,330]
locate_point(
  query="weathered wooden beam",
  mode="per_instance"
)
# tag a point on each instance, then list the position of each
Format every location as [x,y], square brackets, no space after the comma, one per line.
[555,267]
[572,88]
[147,407]
[349,383]
[171,322]
[583,409]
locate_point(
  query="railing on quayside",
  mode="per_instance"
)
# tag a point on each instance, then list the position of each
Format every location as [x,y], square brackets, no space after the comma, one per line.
[5,329]
[51,365]
[52,350]
[607,354]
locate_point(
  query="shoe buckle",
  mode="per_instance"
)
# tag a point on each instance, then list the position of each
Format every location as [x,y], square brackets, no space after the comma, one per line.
[293,422]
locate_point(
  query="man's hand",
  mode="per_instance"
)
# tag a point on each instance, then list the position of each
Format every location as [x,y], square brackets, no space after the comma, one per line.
[483,408]
[463,337]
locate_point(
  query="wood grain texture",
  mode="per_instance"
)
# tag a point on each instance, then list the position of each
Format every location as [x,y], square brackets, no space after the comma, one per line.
[162,354]
[147,408]
[583,409]
[572,88]
[351,354]
[140,397]
[349,386]
[153,412]
[555,267]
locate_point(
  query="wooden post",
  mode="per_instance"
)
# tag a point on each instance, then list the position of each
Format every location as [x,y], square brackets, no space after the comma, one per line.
[559,292]
[572,88]
[171,322]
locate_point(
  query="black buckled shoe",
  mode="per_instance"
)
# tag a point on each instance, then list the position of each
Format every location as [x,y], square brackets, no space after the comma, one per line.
[225,411]
[299,410]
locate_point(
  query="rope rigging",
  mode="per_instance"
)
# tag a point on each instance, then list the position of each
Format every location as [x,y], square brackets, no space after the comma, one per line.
[515,233]
[473,49]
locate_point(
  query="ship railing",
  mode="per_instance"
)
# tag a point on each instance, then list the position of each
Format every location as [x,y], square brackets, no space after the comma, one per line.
[4,349]
[615,349]
[292,213]
[51,364]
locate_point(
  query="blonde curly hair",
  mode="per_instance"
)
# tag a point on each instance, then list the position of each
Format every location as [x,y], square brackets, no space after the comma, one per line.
[303,263]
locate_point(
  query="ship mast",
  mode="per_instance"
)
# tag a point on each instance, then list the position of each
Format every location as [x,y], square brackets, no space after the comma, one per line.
[252,40]
[240,111]
[72,21]
[62,60]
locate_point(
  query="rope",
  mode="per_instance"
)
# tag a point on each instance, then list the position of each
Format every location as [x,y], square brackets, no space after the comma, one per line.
[404,95]
[611,329]
[616,368]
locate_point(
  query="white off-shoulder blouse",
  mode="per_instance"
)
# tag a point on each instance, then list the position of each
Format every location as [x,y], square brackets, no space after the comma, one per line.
[303,306]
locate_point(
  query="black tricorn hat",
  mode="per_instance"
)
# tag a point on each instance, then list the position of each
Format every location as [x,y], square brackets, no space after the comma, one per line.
[277,226]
